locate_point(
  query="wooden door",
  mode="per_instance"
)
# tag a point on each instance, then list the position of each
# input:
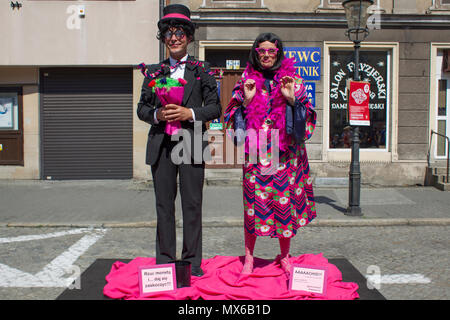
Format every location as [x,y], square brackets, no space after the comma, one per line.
[218,138]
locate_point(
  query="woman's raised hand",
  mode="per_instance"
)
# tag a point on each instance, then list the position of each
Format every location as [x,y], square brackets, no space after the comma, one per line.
[249,91]
[288,89]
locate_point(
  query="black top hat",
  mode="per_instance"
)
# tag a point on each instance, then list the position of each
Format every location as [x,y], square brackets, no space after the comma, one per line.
[177,12]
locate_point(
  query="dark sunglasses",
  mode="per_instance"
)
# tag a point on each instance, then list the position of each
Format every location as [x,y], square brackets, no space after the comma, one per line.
[270,51]
[179,34]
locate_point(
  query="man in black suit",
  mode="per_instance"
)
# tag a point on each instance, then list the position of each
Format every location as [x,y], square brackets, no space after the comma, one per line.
[200,104]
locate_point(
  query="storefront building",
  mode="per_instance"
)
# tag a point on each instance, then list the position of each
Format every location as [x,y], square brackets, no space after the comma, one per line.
[403,58]
[69,88]
[69,84]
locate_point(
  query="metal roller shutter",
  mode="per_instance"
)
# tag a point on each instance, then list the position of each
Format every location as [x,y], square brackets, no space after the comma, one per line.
[86,121]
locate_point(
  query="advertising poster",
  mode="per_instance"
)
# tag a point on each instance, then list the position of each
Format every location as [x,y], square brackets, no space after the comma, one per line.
[358,101]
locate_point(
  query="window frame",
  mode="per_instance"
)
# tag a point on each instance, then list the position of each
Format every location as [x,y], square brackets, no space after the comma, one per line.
[233,4]
[441,76]
[326,4]
[18,133]
[438,5]
[388,154]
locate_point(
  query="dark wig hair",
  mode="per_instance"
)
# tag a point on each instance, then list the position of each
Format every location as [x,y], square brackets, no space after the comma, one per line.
[271,37]
[189,29]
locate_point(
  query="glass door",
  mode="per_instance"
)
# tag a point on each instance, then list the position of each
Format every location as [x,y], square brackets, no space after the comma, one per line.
[443,118]
[11,132]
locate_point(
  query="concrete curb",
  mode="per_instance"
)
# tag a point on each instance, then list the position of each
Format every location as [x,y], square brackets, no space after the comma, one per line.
[211,223]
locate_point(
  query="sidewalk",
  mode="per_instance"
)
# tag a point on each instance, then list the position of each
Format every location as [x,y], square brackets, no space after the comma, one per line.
[131,203]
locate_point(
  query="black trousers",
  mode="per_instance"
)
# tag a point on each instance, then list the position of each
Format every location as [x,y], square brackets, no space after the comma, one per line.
[191,178]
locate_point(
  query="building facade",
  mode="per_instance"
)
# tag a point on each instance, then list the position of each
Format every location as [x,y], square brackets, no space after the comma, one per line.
[403,58]
[69,88]
[69,84]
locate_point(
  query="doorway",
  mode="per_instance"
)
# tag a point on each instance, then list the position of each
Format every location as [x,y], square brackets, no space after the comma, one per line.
[442,116]
[231,57]
[216,129]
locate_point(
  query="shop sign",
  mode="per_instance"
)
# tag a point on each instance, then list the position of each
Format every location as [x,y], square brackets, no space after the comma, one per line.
[358,101]
[307,61]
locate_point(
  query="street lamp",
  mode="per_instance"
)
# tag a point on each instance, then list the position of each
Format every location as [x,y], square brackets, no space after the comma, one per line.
[356,13]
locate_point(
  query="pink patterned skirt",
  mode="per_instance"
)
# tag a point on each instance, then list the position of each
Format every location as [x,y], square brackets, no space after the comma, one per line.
[277,204]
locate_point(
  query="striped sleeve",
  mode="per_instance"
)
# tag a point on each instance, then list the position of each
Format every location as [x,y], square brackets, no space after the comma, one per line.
[311,116]
[237,98]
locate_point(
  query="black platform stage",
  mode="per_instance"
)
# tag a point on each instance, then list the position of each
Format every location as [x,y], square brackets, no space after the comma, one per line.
[93,281]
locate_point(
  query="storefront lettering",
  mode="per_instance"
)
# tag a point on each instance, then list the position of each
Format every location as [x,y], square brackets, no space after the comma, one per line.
[304,56]
[307,61]
[308,71]
[340,75]
[363,67]
[372,106]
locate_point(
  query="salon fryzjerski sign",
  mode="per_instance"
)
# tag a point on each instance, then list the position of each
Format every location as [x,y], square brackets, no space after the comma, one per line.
[373,68]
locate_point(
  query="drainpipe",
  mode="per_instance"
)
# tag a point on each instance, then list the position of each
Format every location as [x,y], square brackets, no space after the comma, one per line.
[161,45]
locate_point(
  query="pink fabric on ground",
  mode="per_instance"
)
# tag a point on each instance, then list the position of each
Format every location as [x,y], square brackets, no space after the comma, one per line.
[223,281]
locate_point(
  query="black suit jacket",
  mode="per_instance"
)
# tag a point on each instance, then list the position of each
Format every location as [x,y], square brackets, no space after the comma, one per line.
[200,94]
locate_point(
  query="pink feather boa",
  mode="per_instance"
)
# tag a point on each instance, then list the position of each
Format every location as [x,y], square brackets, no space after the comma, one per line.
[256,111]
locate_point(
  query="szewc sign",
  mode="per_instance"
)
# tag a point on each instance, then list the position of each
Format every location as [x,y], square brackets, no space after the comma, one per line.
[307,65]
[307,61]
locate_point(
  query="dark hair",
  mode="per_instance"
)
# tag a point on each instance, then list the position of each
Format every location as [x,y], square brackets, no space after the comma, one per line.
[189,29]
[271,37]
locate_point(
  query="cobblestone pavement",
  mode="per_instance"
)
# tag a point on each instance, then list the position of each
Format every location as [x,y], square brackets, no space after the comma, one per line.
[411,250]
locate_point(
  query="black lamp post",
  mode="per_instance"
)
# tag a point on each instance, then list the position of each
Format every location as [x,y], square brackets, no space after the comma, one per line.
[356,12]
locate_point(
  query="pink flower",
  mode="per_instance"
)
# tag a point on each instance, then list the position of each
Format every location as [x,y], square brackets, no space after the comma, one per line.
[182,81]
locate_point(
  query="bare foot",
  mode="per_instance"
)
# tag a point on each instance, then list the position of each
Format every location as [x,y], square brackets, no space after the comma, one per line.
[248,266]
[286,265]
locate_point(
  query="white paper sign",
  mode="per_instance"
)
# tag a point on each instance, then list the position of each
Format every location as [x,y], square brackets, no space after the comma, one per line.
[308,278]
[157,278]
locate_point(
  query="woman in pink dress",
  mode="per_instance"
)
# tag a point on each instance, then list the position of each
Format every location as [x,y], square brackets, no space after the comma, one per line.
[279,200]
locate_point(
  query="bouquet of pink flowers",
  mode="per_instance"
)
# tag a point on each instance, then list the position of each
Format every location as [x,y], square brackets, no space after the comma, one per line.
[169,91]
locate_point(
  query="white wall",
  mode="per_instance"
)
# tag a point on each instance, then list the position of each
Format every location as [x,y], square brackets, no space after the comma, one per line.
[50,33]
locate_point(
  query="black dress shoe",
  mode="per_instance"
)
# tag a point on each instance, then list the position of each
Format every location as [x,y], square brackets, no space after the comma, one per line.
[196,271]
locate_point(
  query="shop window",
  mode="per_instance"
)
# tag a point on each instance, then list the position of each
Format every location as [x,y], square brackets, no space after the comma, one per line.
[227,59]
[233,4]
[11,133]
[374,68]
[442,97]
